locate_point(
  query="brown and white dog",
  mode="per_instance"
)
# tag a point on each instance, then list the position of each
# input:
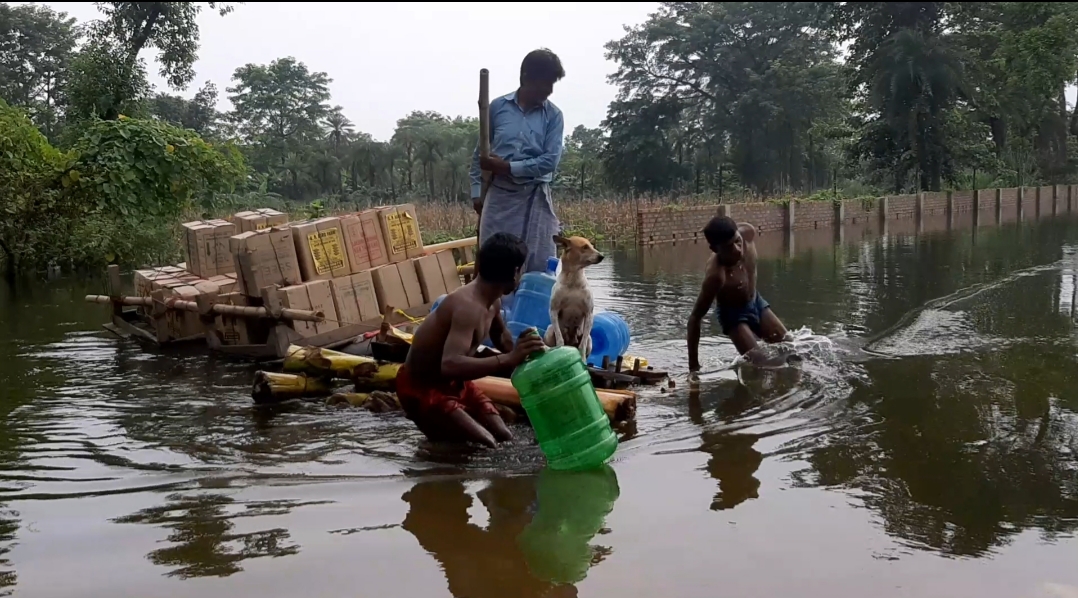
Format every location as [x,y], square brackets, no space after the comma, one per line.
[571,305]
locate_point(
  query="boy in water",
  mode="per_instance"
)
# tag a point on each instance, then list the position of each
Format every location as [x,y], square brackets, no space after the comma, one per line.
[730,282]
[435,385]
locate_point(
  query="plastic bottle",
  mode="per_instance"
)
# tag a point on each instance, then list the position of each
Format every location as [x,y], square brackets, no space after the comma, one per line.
[557,394]
[609,337]
[571,509]
[531,303]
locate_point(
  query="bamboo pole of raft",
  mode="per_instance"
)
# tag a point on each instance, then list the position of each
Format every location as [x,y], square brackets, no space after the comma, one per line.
[484,138]
[366,373]
[619,405]
[273,387]
[225,309]
[455,244]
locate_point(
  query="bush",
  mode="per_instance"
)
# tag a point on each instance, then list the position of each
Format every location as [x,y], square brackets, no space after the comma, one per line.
[114,198]
[32,204]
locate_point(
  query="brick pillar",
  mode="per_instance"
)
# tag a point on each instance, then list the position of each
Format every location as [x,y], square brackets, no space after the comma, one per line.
[950,210]
[976,208]
[883,215]
[919,213]
[999,206]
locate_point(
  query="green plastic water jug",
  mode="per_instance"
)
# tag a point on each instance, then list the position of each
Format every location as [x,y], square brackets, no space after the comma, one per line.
[557,394]
[572,508]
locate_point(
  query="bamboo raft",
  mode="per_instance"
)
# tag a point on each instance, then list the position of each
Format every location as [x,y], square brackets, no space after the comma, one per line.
[311,373]
[150,328]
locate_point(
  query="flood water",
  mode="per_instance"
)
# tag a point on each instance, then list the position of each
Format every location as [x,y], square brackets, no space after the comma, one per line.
[932,452]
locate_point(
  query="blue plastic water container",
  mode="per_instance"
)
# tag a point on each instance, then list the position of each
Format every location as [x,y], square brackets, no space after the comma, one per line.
[531,306]
[609,337]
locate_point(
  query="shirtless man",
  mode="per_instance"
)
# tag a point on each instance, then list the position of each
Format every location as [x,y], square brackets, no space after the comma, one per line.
[435,385]
[730,282]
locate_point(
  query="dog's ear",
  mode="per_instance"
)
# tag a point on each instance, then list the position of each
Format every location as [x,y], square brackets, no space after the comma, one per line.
[561,241]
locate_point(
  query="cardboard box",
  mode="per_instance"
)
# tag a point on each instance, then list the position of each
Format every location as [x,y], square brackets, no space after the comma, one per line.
[263,259]
[401,232]
[320,249]
[295,297]
[366,298]
[315,296]
[388,288]
[144,280]
[430,277]
[207,247]
[409,223]
[410,280]
[372,234]
[260,219]
[184,324]
[344,300]
[321,297]
[226,283]
[448,266]
[232,330]
[355,244]
[355,299]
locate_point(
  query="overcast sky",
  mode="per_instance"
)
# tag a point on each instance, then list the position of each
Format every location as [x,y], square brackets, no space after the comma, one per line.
[388,58]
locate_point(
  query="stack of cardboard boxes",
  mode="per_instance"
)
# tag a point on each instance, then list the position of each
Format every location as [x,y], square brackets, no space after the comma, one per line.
[353,268]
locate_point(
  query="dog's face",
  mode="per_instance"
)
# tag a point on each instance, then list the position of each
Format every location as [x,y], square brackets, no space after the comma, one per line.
[577,252]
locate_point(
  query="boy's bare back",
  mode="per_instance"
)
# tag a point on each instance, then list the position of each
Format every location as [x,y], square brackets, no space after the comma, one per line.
[462,306]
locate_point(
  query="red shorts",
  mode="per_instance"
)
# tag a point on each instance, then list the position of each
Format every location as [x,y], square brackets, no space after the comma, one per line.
[423,400]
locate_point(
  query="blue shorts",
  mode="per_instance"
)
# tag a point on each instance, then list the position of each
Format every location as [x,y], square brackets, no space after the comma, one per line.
[751,313]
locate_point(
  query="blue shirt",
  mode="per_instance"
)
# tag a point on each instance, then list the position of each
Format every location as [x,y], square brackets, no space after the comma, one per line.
[531,142]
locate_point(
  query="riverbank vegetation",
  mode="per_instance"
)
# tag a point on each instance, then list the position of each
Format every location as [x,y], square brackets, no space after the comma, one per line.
[717,101]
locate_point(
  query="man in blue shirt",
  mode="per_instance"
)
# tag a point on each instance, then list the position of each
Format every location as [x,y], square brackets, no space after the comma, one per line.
[526,139]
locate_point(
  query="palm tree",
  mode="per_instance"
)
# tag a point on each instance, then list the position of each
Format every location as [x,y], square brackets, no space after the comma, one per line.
[918,77]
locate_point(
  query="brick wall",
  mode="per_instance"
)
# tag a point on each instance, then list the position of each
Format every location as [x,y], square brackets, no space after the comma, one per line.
[934,204]
[764,216]
[814,214]
[684,224]
[901,206]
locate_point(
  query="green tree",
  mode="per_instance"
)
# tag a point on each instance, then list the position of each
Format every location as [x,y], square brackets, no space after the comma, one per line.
[198,114]
[169,27]
[110,74]
[748,81]
[101,84]
[279,111]
[581,164]
[36,47]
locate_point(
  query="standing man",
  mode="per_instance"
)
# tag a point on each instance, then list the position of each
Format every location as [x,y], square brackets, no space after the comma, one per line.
[526,139]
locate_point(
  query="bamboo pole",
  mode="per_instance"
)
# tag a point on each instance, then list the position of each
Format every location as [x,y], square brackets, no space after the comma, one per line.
[217,308]
[484,138]
[455,244]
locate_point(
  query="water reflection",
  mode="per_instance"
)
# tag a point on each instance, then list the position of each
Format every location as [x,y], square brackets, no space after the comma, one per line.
[201,530]
[9,525]
[950,414]
[536,541]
